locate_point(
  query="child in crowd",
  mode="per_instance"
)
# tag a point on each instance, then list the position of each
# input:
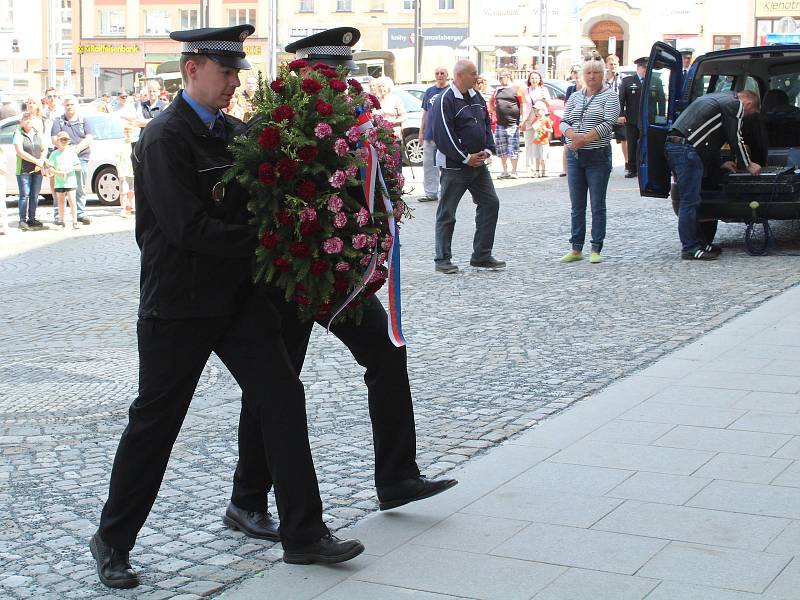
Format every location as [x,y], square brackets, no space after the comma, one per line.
[64,164]
[3,211]
[125,173]
[542,127]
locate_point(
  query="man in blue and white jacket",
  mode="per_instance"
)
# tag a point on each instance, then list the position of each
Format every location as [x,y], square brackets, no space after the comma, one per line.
[463,134]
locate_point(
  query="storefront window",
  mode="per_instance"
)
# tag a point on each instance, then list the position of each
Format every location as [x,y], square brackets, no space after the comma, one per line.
[156,22]
[111,81]
[112,22]
[306,6]
[189,19]
[723,42]
[241,16]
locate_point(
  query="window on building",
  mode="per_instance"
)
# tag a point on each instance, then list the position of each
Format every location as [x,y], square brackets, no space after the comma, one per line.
[306,6]
[344,5]
[6,15]
[157,22]
[189,18]
[112,21]
[376,6]
[241,16]
[447,4]
[64,25]
[723,42]
[409,5]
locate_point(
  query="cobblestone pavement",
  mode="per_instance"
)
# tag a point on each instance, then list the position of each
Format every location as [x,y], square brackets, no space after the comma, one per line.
[490,354]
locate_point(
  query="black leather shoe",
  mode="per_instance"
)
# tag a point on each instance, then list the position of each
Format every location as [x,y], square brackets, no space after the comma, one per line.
[488,263]
[447,268]
[713,248]
[630,174]
[254,524]
[326,550]
[411,490]
[113,566]
[700,254]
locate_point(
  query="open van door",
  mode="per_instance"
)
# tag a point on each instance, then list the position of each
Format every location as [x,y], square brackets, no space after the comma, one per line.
[664,84]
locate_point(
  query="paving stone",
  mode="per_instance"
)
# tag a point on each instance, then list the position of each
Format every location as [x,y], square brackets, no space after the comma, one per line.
[580,584]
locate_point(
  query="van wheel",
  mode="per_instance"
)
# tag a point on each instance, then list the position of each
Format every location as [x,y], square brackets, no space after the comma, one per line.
[413,149]
[106,186]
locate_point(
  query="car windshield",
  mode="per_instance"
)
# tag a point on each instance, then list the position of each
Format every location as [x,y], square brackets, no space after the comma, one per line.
[106,127]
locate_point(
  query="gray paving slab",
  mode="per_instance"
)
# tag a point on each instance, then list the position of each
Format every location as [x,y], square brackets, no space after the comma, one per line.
[682,523]
[580,584]
[659,487]
[696,396]
[750,469]
[723,440]
[669,590]
[743,381]
[578,479]
[787,542]
[756,499]
[681,414]
[769,421]
[584,548]
[769,401]
[676,461]
[471,533]
[712,566]
[363,590]
[624,432]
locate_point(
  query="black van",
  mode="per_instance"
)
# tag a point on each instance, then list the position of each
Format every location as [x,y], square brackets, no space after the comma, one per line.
[773,72]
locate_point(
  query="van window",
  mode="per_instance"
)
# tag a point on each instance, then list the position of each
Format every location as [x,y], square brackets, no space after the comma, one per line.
[752,85]
[724,83]
[789,83]
[7,133]
[658,95]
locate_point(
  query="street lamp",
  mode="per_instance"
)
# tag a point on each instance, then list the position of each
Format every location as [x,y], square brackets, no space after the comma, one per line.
[418,41]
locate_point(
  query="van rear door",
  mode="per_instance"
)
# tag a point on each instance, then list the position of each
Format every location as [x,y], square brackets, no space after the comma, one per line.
[664,84]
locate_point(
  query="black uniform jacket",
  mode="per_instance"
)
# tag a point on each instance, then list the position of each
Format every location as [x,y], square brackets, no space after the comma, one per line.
[196,246]
[630,98]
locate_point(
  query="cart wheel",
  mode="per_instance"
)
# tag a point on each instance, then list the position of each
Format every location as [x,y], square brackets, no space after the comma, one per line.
[757,237]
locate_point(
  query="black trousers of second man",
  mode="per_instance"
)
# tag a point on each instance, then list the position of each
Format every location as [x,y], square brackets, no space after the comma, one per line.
[172,355]
[390,406]
[632,135]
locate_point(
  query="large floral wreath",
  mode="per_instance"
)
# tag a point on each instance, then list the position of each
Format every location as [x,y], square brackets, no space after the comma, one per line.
[303,162]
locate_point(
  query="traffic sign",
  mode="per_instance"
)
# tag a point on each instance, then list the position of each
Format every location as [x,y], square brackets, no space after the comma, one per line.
[67,65]
[96,69]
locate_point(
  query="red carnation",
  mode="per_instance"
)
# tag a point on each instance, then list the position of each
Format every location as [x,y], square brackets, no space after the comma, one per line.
[287,168]
[376,104]
[319,65]
[340,285]
[284,217]
[307,153]
[304,300]
[270,240]
[306,190]
[283,113]
[282,264]
[328,72]
[323,108]
[355,85]
[310,86]
[337,85]
[308,228]
[269,138]
[277,85]
[319,266]
[298,64]
[266,174]
[299,249]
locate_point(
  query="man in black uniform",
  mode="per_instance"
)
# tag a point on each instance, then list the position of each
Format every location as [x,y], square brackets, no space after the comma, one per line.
[630,99]
[196,298]
[397,476]
[692,144]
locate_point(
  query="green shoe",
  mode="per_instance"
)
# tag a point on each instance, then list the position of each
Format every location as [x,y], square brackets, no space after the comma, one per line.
[595,258]
[571,257]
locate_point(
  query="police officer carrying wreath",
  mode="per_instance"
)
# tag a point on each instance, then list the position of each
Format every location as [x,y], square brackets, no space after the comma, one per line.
[397,476]
[197,298]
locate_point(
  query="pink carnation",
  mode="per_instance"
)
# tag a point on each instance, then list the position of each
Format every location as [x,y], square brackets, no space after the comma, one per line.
[353,134]
[362,154]
[308,214]
[340,220]
[372,240]
[366,259]
[372,135]
[378,275]
[382,258]
[341,147]
[342,266]
[352,171]
[335,203]
[401,181]
[333,245]
[322,130]
[362,218]
[338,179]
[387,242]
[399,209]
[359,241]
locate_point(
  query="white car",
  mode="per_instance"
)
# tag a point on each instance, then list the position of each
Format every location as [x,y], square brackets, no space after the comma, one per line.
[108,137]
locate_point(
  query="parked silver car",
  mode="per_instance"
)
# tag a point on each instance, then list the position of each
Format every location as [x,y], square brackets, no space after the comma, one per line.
[103,180]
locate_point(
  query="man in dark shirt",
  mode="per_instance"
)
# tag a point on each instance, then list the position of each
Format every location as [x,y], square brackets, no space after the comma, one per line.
[429,168]
[462,131]
[506,103]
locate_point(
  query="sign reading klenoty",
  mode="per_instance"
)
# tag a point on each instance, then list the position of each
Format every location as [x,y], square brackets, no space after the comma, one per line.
[777,8]
[107,49]
[403,37]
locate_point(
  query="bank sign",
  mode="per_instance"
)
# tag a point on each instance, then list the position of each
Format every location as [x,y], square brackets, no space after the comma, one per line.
[403,37]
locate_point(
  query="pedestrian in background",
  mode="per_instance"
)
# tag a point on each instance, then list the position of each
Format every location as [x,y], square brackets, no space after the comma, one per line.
[104,104]
[51,109]
[462,131]
[392,108]
[125,172]
[540,130]
[535,92]
[429,169]
[234,108]
[80,135]
[247,98]
[588,122]
[34,108]
[3,210]
[65,164]
[506,103]
[30,159]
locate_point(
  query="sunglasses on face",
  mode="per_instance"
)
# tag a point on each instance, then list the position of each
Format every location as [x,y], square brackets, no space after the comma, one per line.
[121,97]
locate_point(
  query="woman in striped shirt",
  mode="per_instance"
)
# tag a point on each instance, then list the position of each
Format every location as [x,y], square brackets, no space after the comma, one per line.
[588,121]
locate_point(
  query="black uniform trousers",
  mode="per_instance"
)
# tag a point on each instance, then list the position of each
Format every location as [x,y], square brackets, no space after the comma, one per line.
[172,355]
[389,394]
[632,135]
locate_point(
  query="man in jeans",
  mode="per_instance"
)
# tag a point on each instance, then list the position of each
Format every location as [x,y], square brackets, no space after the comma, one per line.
[693,144]
[429,168]
[462,132]
[80,136]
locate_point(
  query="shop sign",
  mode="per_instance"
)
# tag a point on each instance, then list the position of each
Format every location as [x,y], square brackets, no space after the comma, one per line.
[403,37]
[107,49]
[777,8]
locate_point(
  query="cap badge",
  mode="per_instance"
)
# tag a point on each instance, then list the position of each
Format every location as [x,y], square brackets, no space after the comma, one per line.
[243,36]
[347,37]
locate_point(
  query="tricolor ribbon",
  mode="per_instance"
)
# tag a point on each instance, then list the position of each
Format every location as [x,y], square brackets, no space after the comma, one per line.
[371,176]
